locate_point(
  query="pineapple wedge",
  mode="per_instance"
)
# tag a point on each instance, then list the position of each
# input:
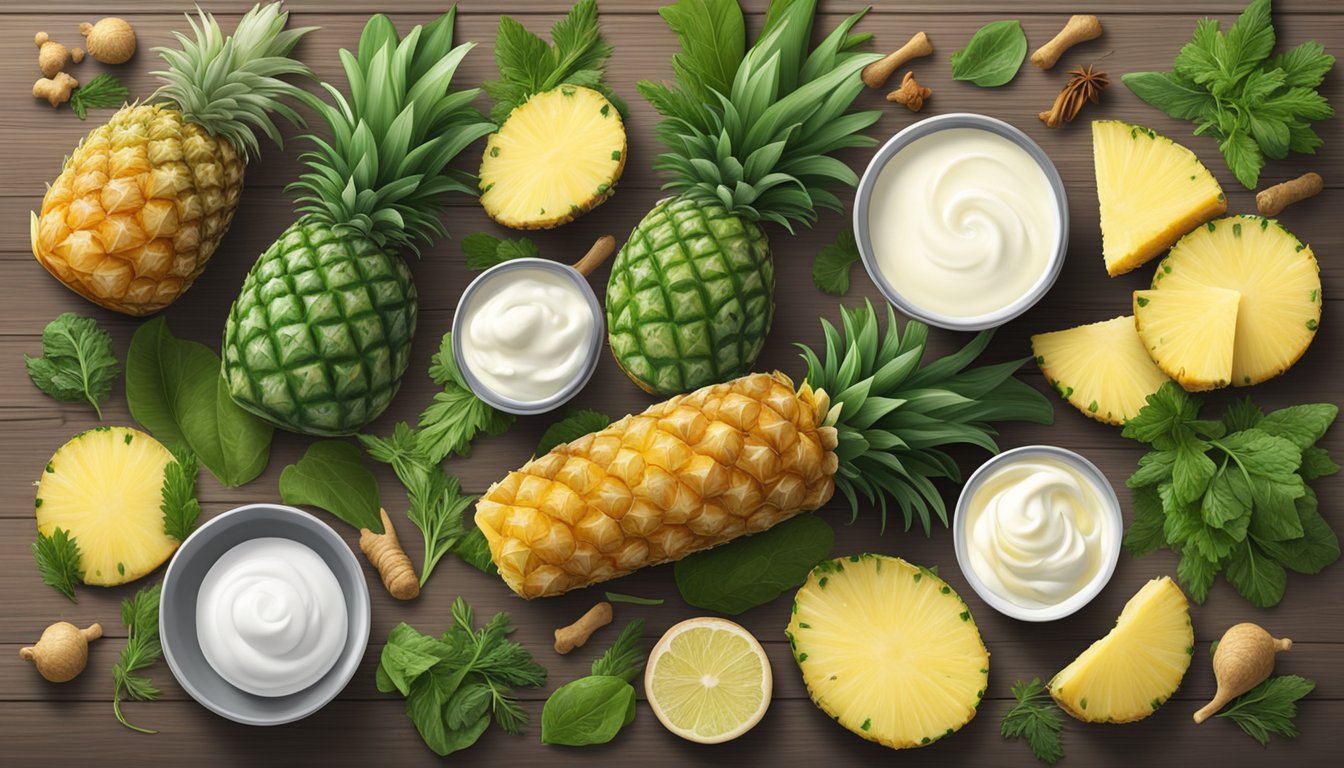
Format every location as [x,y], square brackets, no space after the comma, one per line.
[1278,279]
[104,488]
[1133,670]
[556,157]
[1102,369]
[888,650]
[1151,190]
[1189,333]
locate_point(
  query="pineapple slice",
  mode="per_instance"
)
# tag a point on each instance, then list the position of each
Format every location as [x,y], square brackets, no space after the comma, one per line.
[556,157]
[1189,333]
[888,650]
[1278,279]
[1151,189]
[1129,673]
[104,488]
[1102,369]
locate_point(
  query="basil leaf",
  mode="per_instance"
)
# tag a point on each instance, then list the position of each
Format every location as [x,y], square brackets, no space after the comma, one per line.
[754,570]
[590,710]
[331,476]
[993,55]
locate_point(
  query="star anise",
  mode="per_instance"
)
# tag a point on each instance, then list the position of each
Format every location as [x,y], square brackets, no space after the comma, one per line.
[1085,84]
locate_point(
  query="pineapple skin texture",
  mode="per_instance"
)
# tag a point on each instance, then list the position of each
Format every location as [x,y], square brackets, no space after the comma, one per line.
[687,474]
[138,210]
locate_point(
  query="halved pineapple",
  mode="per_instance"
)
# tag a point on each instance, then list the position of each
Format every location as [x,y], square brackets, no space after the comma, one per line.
[1133,670]
[1189,333]
[1278,279]
[1102,369]
[888,650]
[556,157]
[1151,189]
[104,488]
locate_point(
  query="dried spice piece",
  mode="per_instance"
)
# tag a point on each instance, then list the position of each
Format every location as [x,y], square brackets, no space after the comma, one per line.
[911,93]
[1085,84]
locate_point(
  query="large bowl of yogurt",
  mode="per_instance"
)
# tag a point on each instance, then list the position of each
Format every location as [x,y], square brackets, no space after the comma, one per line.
[962,221]
[264,615]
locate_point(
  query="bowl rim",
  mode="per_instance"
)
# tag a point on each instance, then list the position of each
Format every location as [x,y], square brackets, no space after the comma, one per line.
[1077,600]
[863,202]
[345,667]
[598,333]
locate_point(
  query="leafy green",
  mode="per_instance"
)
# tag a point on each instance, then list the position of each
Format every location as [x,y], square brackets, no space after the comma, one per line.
[576,423]
[58,561]
[754,570]
[180,506]
[593,709]
[1231,496]
[457,683]
[140,614]
[1269,708]
[330,476]
[1255,105]
[485,251]
[77,362]
[457,415]
[830,272]
[625,658]
[993,55]
[617,597]
[102,91]
[527,65]
[174,390]
[1035,718]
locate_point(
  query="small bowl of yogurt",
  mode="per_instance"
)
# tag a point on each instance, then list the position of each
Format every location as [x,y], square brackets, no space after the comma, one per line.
[962,221]
[264,614]
[527,334]
[1037,532]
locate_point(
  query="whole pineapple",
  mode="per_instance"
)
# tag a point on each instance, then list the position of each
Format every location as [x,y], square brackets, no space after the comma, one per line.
[736,458]
[143,201]
[748,134]
[320,334]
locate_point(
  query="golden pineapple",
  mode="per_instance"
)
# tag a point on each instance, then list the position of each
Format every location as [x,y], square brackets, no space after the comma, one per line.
[736,458]
[143,202]
[1189,333]
[1101,368]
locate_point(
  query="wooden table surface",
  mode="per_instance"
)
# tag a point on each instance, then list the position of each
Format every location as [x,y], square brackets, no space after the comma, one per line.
[46,724]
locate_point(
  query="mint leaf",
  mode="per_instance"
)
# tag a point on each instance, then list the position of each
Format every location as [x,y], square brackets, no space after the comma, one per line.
[484,251]
[1192,471]
[1255,576]
[830,271]
[1318,546]
[1145,535]
[1249,41]
[77,362]
[1171,93]
[1164,422]
[1261,453]
[1154,467]
[1302,425]
[1304,66]
[1228,498]
[1316,463]
[1243,414]
[1197,574]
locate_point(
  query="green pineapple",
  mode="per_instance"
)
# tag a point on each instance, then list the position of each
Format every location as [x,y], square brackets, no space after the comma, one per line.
[748,136]
[321,332]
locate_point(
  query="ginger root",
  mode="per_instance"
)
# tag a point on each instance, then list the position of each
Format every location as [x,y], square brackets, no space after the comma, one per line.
[51,55]
[394,567]
[111,40]
[576,634]
[1243,660]
[1272,201]
[875,75]
[56,90]
[911,93]
[63,651]
[1079,29]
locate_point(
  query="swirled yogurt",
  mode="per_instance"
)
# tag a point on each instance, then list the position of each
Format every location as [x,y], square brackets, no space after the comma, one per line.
[270,617]
[963,222]
[1038,531]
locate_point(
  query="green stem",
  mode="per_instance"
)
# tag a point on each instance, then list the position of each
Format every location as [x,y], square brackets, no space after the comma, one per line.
[116,708]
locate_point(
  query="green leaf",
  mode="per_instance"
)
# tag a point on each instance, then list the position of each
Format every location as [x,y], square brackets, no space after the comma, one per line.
[484,251]
[625,658]
[1302,425]
[1197,574]
[617,597]
[1304,66]
[830,272]
[1144,536]
[1269,708]
[576,423]
[1192,471]
[713,35]
[102,91]
[527,65]
[1228,498]
[1256,577]
[1249,42]
[1164,422]
[1035,718]
[993,55]
[456,417]
[1316,463]
[331,477]
[1172,94]
[474,550]
[1243,414]
[77,362]
[1314,550]
[140,614]
[754,570]
[58,561]
[180,507]
[1154,467]
[590,710]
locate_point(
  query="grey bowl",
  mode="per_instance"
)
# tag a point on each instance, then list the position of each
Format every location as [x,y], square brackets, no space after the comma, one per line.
[177,612]
[533,407]
[863,201]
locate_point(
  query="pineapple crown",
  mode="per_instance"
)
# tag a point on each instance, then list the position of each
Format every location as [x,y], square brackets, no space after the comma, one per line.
[752,129]
[230,85]
[384,168]
[892,414]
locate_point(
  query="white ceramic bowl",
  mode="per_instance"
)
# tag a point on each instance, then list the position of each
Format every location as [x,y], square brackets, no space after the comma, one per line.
[1083,596]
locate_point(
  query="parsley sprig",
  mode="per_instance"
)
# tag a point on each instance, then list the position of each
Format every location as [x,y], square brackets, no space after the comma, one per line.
[830,271]
[58,561]
[140,614]
[1269,708]
[457,416]
[1035,718]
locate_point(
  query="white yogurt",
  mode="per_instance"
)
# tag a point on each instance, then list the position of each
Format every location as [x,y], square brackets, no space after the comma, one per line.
[963,222]
[270,617]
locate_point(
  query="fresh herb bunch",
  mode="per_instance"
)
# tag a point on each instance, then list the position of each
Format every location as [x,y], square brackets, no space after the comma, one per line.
[457,416]
[1269,708]
[180,506]
[751,571]
[1231,495]
[331,476]
[593,709]
[1254,104]
[485,251]
[457,683]
[576,423]
[140,614]
[830,271]
[58,561]
[76,363]
[1035,718]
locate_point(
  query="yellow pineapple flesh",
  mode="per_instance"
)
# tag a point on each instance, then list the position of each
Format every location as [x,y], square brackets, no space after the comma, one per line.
[1102,369]
[1151,191]
[557,156]
[687,474]
[1279,281]
[1132,671]
[104,488]
[888,650]
[1189,333]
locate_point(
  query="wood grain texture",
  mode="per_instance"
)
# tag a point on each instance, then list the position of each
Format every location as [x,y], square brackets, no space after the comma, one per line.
[44,724]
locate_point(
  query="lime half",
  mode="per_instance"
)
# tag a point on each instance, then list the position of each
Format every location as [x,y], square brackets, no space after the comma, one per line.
[708,680]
